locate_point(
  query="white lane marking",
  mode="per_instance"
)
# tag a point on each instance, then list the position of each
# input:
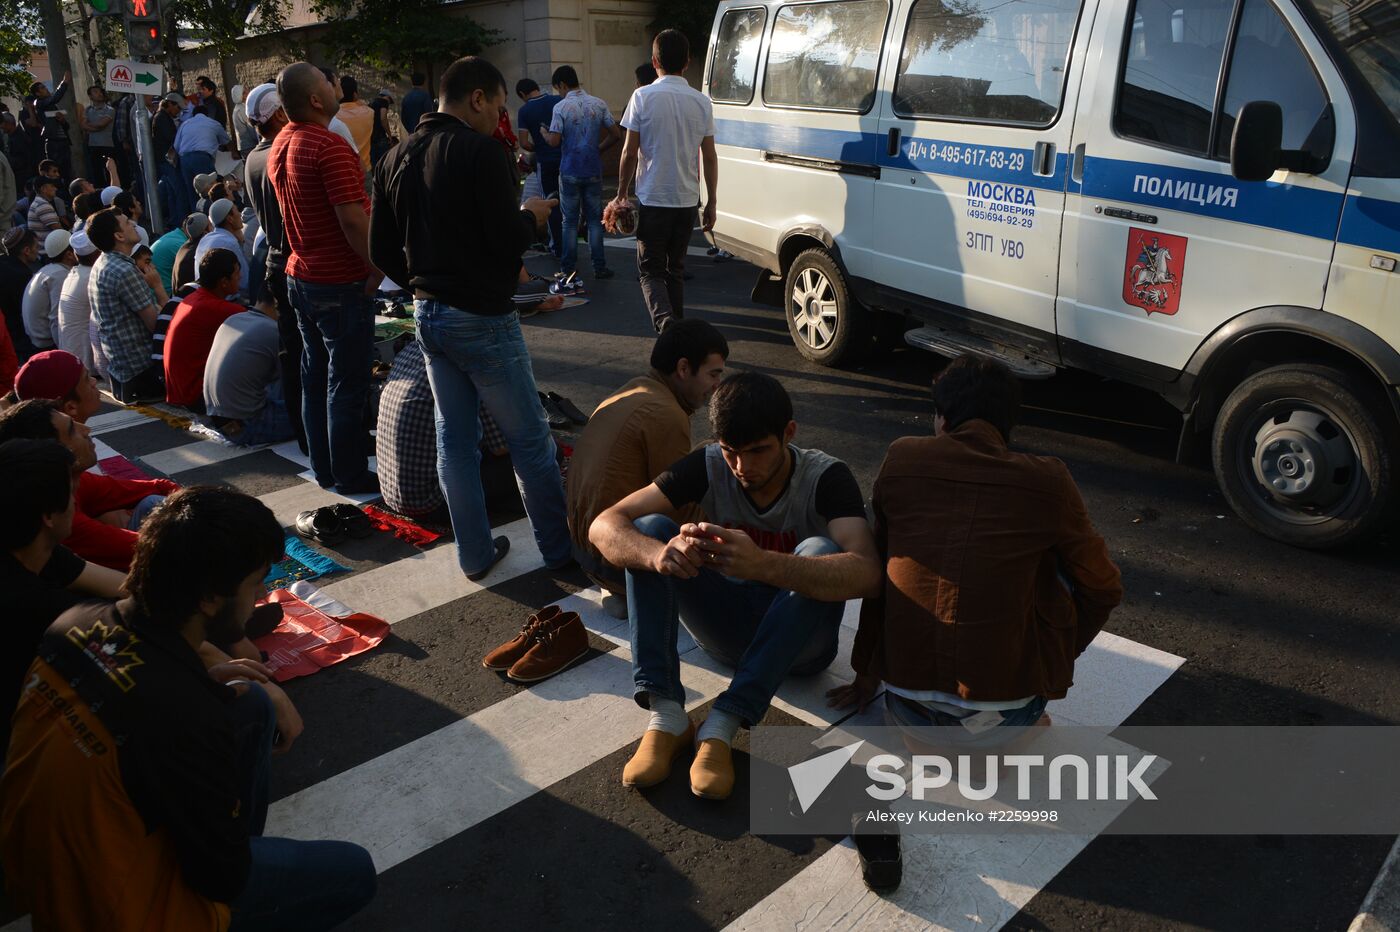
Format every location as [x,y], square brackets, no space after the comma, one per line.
[426,580]
[967,882]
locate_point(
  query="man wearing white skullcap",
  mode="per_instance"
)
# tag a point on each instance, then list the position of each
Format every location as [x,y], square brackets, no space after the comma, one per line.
[41,295]
[227,233]
[74,312]
[109,194]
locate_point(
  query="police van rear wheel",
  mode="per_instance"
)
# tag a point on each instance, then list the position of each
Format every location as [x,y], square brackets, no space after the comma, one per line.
[826,325]
[1306,455]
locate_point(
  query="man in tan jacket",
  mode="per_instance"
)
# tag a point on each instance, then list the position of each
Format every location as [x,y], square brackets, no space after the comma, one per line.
[636,433]
[996,580]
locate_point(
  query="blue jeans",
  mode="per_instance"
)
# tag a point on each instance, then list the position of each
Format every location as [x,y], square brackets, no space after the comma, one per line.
[142,511]
[191,164]
[549,182]
[273,424]
[589,193]
[475,359]
[764,633]
[173,198]
[912,716]
[337,331]
[292,885]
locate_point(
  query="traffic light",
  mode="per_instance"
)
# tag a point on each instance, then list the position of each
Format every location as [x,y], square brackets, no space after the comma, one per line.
[142,21]
[105,7]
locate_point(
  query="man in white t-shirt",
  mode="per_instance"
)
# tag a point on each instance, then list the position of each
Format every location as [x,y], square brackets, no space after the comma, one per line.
[670,131]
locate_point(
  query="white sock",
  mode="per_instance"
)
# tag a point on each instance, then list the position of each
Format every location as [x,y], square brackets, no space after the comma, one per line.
[668,715]
[722,725]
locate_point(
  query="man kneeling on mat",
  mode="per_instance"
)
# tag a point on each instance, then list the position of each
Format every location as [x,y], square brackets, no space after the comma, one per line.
[762,588]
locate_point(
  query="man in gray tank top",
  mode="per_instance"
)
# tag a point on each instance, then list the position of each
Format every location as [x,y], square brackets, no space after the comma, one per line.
[761,586]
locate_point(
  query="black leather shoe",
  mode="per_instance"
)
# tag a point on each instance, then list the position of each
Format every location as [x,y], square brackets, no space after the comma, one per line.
[881,861]
[502,545]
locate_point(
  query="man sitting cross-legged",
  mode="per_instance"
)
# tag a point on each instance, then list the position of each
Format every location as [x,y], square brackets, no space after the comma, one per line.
[637,432]
[136,788]
[761,587]
[997,579]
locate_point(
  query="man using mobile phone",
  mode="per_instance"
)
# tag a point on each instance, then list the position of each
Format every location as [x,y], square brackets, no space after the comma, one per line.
[761,586]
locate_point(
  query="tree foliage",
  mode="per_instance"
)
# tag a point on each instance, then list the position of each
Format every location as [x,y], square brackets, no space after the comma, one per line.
[20,32]
[219,24]
[390,37]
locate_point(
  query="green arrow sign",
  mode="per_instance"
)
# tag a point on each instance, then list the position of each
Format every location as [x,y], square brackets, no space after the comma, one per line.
[145,77]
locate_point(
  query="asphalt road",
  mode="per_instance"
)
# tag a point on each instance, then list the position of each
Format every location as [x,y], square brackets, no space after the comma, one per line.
[1271,635]
[489,804]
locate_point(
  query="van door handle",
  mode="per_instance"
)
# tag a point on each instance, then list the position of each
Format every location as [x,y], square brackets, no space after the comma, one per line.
[1044,161]
[892,147]
[1076,168]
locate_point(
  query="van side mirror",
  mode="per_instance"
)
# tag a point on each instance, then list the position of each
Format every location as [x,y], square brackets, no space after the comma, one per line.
[1256,141]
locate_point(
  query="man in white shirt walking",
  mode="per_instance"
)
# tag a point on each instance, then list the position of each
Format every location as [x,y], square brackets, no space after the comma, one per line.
[670,131]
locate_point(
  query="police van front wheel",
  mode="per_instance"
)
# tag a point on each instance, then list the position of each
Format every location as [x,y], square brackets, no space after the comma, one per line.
[826,324]
[1307,455]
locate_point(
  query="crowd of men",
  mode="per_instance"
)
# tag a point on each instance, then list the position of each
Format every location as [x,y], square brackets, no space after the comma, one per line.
[140,725]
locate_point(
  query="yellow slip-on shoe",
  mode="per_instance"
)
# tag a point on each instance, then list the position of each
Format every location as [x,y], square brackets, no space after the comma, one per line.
[652,762]
[712,771]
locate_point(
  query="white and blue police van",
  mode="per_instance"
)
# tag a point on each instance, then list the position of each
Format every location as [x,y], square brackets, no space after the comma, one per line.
[1197,196]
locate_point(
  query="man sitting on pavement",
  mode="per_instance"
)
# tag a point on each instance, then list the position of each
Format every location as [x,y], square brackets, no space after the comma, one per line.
[190,335]
[243,378]
[110,510]
[226,232]
[186,271]
[42,579]
[159,764]
[43,217]
[123,309]
[74,312]
[42,294]
[995,577]
[761,585]
[406,441]
[636,433]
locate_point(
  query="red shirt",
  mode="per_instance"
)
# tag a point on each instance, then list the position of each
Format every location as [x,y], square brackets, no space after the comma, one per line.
[9,362]
[96,495]
[312,171]
[188,341]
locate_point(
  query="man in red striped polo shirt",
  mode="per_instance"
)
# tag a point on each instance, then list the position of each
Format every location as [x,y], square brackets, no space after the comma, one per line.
[320,188]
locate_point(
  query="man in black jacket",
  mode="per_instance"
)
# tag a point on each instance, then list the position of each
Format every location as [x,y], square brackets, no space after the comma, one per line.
[445,223]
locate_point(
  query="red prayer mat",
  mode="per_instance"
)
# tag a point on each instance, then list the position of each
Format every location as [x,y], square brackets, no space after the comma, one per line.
[309,639]
[400,527]
[119,467]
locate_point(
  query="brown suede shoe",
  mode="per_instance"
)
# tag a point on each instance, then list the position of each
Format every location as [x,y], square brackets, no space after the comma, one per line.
[652,762]
[555,645]
[712,771]
[505,656]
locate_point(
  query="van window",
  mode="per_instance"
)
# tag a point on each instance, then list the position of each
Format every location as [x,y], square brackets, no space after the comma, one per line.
[1171,71]
[735,66]
[1267,64]
[823,56]
[995,60]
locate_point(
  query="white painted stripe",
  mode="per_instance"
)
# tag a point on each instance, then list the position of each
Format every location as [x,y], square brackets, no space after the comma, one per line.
[425,580]
[193,455]
[116,420]
[287,503]
[972,882]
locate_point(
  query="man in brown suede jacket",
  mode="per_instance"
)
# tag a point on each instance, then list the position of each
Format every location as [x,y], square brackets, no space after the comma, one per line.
[995,577]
